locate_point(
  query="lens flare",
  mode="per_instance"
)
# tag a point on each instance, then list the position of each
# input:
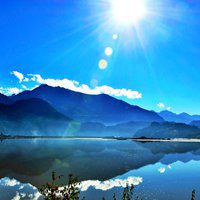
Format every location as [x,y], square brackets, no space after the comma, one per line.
[108,51]
[115,36]
[103,64]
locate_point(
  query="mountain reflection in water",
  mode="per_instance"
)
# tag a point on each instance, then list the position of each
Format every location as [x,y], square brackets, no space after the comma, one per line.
[160,169]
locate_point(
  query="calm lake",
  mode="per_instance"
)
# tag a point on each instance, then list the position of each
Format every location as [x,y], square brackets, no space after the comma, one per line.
[162,170]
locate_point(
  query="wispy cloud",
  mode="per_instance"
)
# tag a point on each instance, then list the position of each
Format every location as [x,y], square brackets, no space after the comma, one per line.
[17,197]
[168,108]
[162,170]
[10,91]
[20,190]
[163,106]
[83,88]
[9,182]
[76,86]
[18,75]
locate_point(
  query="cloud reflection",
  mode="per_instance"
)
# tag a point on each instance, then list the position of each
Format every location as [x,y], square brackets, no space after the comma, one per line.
[162,170]
[17,190]
[107,185]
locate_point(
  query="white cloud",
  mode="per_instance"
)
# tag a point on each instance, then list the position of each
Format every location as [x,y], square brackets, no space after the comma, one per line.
[9,182]
[19,190]
[83,88]
[25,79]
[169,166]
[71,85]
[21,187]
[107,185]
[162,170]
[161,105]
[17,197]
[169,108]
[19,75]
[24,87]
[10,91]
[27,190]
[34,196]
[22,195]
[1,90]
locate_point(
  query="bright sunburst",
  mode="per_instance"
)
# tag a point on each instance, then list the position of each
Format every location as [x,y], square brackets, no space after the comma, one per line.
[128,12]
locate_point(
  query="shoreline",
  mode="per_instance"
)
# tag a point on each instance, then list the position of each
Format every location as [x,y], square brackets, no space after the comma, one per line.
[101,138]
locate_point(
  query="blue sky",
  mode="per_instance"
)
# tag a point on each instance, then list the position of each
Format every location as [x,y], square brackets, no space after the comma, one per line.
[158,57]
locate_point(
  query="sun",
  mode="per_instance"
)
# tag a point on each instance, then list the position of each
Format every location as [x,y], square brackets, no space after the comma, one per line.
[128,12]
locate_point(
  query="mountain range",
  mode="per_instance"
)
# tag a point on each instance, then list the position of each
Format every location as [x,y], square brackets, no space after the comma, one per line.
[89,108]
[179,118]
[120,130]
[169,130]
[55,111]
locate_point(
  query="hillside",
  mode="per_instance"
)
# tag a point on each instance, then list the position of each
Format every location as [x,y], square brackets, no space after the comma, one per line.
[169,130]
[4,99]
[32,117]
[89,108]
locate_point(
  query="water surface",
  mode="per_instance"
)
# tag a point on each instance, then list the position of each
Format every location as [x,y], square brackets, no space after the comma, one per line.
[160,170]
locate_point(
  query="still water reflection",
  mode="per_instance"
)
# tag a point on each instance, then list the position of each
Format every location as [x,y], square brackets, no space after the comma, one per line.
[160,170]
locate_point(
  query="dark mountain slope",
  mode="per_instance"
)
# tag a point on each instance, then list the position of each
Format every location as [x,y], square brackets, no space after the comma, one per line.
[94,108]
[4,99]
[32,117]
[169,130]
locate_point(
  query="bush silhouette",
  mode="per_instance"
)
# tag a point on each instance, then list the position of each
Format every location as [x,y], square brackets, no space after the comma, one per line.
[51,191]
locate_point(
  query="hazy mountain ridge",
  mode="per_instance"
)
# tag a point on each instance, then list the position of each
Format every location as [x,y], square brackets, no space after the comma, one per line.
[169,130]
[179,118]
[195,123]
[119,130]
[32,117]
[55,111]
[89,108]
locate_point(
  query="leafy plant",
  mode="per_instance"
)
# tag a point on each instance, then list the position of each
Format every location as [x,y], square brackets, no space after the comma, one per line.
[51,191]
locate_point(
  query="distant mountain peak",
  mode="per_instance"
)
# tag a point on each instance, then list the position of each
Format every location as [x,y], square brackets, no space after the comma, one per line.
[180,118]
[84,107]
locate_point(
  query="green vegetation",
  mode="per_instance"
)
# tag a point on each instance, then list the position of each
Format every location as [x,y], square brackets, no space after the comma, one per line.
[51,191]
